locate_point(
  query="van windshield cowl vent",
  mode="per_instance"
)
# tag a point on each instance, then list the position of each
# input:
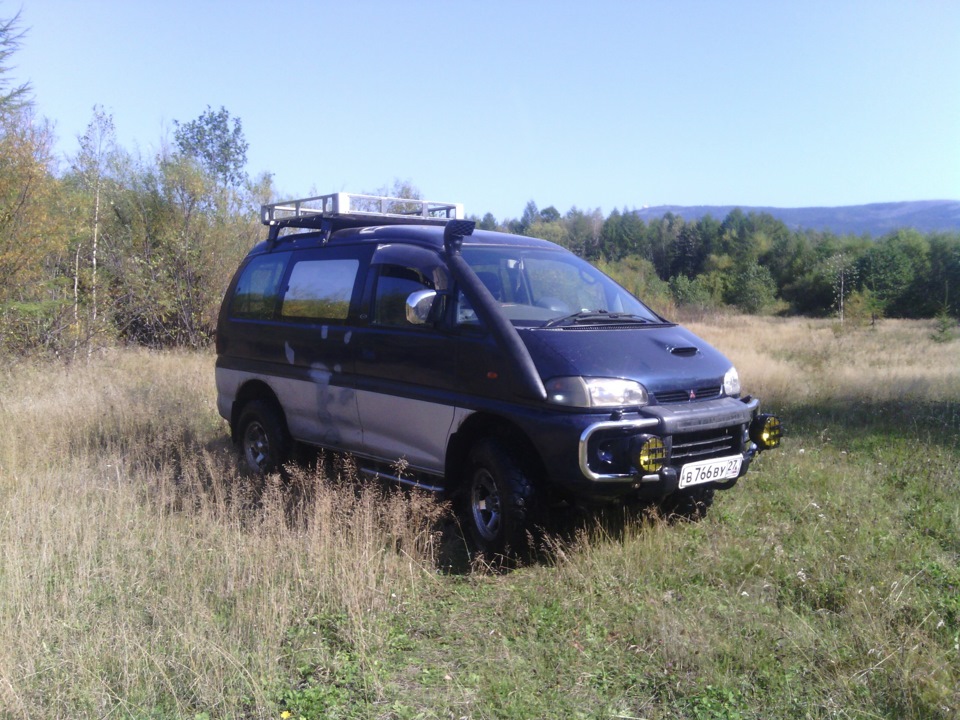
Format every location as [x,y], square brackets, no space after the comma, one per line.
[687,351]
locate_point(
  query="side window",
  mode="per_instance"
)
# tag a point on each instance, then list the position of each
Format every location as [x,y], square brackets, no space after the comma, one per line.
[394,285]
[255,297]
[466,315]
[320,289]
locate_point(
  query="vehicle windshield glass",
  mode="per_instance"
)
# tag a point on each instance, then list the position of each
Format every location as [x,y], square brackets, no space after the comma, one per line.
[540,288]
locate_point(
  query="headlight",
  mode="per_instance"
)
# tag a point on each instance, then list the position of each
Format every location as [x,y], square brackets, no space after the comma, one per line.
[731,383]
[596,392]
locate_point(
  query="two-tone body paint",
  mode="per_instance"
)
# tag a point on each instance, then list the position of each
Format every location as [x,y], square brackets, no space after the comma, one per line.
[389,394]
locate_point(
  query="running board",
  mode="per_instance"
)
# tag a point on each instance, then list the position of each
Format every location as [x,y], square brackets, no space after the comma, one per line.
[409,482]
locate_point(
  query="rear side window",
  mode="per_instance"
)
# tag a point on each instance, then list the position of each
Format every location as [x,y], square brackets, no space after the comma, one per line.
[320,289]
[256,295]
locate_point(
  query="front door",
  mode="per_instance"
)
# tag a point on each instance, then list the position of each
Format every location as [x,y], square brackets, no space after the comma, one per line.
[405,371]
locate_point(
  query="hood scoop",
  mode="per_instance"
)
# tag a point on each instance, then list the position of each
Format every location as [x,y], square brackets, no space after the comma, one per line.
[683,351]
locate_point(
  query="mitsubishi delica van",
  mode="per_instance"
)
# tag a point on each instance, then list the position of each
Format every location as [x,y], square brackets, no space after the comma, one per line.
[499,370]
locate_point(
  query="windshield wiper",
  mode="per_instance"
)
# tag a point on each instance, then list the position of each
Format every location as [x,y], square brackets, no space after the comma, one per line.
[596,316]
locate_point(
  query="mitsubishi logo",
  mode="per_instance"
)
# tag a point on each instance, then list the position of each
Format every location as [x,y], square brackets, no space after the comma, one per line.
[693,394]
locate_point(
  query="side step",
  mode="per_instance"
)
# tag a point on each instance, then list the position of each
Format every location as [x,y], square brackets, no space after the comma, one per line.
[420,483]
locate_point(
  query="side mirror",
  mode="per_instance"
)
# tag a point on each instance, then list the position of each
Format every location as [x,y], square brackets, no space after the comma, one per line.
[419,305]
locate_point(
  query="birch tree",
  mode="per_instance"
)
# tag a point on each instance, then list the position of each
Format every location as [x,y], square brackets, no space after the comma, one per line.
[92,169]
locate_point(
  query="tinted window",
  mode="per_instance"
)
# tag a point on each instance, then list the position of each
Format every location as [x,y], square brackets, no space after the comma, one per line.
[394,286]
[256,295]
[320,289]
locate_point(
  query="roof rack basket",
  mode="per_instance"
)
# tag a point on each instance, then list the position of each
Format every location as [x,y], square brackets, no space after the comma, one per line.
[354,210]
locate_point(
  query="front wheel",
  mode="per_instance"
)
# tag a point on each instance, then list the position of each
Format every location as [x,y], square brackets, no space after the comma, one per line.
[498,498]
[264,442]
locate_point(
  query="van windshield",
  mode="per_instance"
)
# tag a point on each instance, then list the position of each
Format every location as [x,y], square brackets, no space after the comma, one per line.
[550,288]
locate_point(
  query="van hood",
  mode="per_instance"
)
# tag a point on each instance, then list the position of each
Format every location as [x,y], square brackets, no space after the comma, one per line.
[661,358]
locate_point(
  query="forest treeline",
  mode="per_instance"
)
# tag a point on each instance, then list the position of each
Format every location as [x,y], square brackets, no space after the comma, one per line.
[755,263]
[111,246]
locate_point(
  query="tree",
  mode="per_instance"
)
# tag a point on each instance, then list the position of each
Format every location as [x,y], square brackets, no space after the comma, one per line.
[640,278]
[33,291]
[488,222]
[176,238]
[753,289]
[31,306]
[550,214]
[887,272]
[216,144]
[662,236]
[530,215]
[688,252]
[25,158]
[692,293]
[946,324]
[403,189]
[709,230]
[842,271]
[944,278]
[91,167]
[919,298]
[555,232]
[612,243]
[863,307]
[583,228]
[789,258]
[12,97]
[633,235]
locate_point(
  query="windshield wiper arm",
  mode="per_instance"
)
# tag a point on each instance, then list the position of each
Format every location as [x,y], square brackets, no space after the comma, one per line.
[599,316]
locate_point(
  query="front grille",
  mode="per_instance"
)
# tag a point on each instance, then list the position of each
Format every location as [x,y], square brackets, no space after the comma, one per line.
[688,447]
[668,397]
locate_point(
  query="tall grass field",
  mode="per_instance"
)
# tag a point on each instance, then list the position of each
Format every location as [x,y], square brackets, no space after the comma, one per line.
[143,574]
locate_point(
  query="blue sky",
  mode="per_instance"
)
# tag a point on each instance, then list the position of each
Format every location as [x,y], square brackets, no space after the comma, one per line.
[596,104]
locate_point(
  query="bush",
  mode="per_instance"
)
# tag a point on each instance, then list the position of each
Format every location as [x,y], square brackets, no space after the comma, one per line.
[640,278]
[945,328]
[753,289]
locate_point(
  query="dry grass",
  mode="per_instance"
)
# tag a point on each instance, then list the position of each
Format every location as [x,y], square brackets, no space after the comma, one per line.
[142,572]
[798,360]
[143,575]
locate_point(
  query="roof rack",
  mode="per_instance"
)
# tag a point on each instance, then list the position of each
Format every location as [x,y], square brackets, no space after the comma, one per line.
[341,210]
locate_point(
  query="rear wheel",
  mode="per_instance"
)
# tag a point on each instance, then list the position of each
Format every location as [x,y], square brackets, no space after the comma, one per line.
[264,442]
[498,498]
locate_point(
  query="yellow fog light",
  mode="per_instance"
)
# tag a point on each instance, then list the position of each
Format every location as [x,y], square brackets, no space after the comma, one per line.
[766,431]
[652,454]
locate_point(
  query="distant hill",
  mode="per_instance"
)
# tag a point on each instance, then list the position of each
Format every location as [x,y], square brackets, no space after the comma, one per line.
[875,219]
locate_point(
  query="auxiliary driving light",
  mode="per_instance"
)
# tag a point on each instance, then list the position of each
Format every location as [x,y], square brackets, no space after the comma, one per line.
[766,431]
[651,455]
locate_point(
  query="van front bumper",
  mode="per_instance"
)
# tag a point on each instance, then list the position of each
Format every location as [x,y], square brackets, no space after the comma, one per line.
[692,432]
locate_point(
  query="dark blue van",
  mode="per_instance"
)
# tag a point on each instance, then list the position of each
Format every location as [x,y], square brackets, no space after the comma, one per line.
[498,369]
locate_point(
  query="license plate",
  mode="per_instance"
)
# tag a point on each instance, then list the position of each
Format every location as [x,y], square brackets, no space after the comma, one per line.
[710,470]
